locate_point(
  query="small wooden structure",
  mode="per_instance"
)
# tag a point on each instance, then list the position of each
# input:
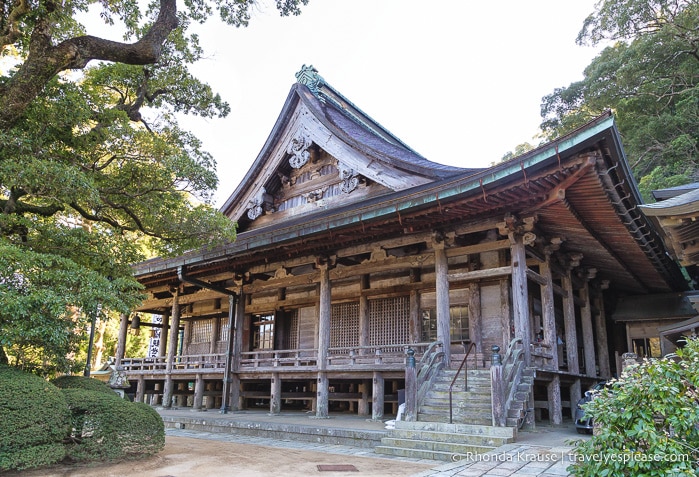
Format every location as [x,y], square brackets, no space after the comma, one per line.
[352,247]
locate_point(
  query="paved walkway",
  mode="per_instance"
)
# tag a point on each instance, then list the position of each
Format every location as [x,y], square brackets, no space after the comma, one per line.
[546,452]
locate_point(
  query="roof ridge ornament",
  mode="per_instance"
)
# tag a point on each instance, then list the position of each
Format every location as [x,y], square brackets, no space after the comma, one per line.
[309,77]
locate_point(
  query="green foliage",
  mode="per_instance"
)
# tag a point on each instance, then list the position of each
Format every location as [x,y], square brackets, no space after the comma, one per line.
[106,427]
[649,78]
[647,422]
[82,382]
[34,420]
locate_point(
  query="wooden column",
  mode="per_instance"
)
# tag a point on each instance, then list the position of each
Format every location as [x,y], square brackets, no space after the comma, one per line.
[475,328]
[414,323]
[363,406]
[554,397]
[549,313]
[569,321]
[324,308]
[377,396]
[140,389]
[171,349]
[575,396]
[364,314]
[121,340]
[275,402]
[213,346]
[505,314]
[601,330]
[199,388]
[236,334]
[588,335]
[164,333]
[441,269]
[520,295]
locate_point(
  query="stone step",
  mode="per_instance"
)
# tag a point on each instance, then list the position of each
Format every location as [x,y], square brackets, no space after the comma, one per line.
[432,446]
[455,438]
[420,454]
[478,430]
[437,402]
[444,419]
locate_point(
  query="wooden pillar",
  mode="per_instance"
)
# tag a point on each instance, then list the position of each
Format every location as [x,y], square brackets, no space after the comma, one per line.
[414,323]
[475,328]
[498,398]
[505,314]
[215,330]
[410,387]
[549,314]
[569,321]
[275,401]
[210,398]
[588,335]
[164,333]
[377,396]
[121,340]
[140,389]
[363,406]
[199,387]
[441,269]
[171,350]
[324,308]
[236,334]
[155,398]
[554,397]
[364,314]
[601,331]
[575,396]
[520,295]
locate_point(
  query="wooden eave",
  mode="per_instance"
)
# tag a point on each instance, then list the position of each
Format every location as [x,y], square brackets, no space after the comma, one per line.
[579,187]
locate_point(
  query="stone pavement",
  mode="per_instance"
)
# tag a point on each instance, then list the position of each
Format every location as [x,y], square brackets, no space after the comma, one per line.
[545,452]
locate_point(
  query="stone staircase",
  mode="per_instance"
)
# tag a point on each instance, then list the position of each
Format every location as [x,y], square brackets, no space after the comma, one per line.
[472,406]
[443,441]
[471,431]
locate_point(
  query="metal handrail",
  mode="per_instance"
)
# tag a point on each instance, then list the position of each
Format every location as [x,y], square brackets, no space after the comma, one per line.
[451,386]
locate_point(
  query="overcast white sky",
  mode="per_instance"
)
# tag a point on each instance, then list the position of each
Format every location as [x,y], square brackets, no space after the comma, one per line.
[459,81]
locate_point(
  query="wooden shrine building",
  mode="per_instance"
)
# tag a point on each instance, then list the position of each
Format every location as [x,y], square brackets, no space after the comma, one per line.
[352,248]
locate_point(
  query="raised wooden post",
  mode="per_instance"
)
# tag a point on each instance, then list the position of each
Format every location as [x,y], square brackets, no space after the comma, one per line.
[575,395]
[199,388]
[498,398]
[171,349]
[322,404]
[363,406]
[549,313]
[236,334]
[441,269]
[364,315]
[570,330]
[164,333]
[601,332]
[520,295]
[377,396]
[588,336]
[275,402]
[410,387]
[140,389]
[475,328]
[554,397]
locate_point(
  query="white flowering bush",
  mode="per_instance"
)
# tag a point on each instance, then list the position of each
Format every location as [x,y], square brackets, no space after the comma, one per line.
[646,422]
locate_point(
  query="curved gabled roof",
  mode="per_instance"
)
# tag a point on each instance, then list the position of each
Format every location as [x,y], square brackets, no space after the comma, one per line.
[348,125]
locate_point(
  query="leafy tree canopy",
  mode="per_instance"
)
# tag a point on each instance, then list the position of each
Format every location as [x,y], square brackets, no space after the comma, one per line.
[94,170]
[649,77]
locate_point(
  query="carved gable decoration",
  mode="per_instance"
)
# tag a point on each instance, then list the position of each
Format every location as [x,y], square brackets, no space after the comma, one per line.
[323,152]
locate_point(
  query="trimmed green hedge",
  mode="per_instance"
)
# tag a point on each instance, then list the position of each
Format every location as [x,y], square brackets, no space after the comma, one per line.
[81,382]
[106,427]
[34,420]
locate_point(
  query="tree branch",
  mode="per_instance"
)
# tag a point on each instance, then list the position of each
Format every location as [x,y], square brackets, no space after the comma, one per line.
[45,61]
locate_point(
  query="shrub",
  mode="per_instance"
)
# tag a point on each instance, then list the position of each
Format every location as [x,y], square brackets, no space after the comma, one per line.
[81,382]
[34,420]
[106,427]
[646,422]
